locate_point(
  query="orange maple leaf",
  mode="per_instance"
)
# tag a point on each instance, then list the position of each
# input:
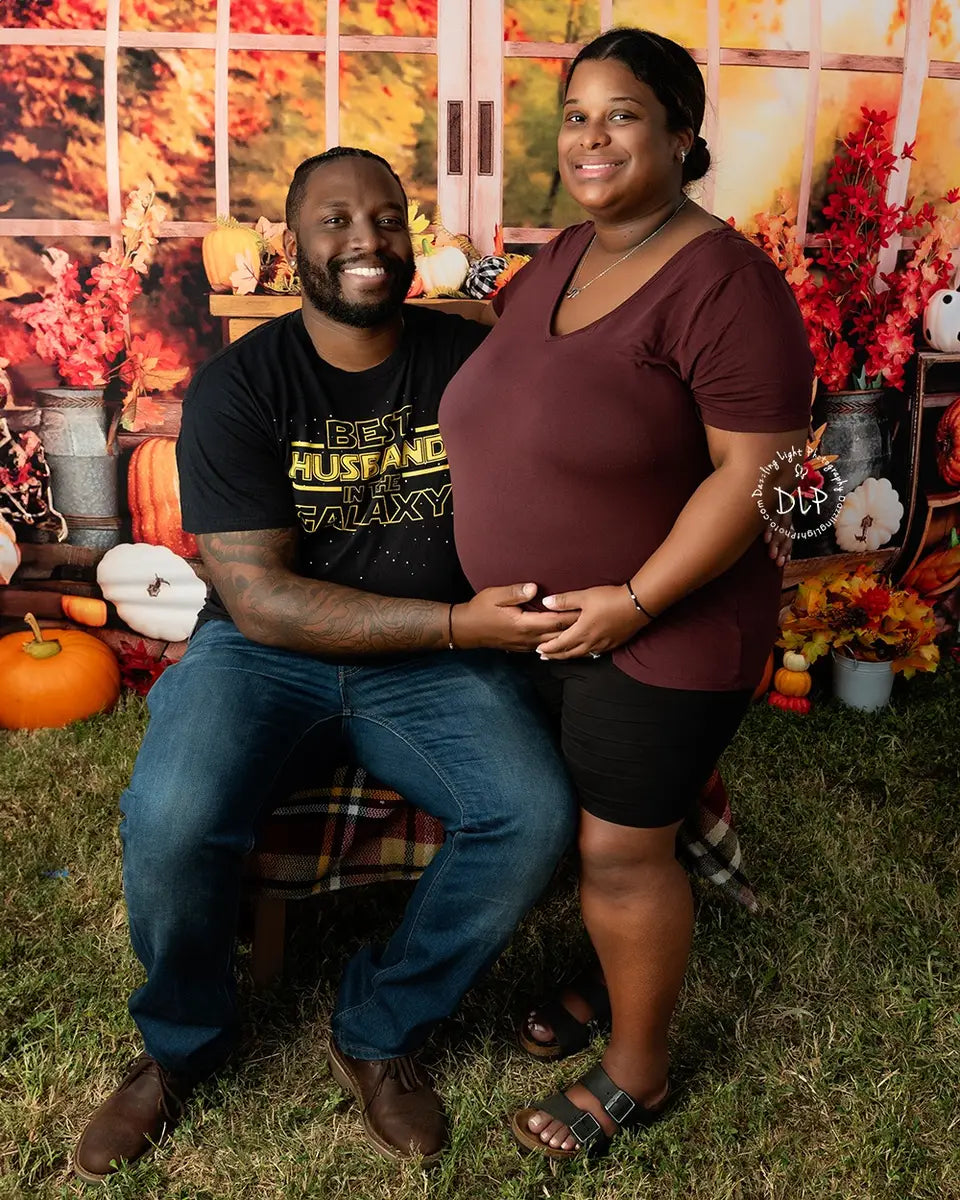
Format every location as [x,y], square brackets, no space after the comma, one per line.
[142,412]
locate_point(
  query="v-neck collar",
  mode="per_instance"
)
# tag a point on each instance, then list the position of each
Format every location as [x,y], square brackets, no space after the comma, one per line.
[550,336]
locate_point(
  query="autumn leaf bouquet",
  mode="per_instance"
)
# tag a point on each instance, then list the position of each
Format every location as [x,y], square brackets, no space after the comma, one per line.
[858,613]
[82,322]
[862,336]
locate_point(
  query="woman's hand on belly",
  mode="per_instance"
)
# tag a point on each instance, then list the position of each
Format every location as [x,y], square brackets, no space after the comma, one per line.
[608,618]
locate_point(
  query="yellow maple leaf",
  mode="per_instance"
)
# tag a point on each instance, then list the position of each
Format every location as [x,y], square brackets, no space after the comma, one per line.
[416,221]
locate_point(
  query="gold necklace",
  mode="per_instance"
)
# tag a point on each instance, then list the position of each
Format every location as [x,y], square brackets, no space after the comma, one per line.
[574,291]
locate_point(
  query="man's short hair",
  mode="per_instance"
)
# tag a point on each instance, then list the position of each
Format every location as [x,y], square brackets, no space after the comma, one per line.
[298,185]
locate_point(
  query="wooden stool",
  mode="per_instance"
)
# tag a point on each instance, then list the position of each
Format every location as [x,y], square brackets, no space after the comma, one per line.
[332,833]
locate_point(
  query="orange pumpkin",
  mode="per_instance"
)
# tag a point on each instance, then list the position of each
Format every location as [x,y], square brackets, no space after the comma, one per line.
[792,683]
[220,249]
[764,683]
[948,444]
[153,494]
[797,704]
[49,682]
[935,571]
[85,610]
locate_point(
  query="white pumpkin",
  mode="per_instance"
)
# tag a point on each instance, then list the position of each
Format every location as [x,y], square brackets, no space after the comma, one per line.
[156,592]
[941,320]
[869,516]
[9,552]
[443,270]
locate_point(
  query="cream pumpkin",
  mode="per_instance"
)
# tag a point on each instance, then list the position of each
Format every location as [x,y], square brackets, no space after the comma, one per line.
[443,270]
[155,592]
[869,517]
[9,552]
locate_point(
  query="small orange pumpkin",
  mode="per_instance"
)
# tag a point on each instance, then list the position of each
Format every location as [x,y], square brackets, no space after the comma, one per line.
[797,704]
[948,444]
[85,610]
[153,494]
[49,682]
[220,248]
[792,683]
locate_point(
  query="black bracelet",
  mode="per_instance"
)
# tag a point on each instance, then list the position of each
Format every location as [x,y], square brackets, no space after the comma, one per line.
[450,643]
[636,603]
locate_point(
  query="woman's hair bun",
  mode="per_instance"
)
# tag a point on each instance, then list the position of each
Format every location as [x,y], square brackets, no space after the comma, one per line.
[697,162]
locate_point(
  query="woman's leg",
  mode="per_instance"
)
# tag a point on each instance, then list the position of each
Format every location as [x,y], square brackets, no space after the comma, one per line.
[638,910]
[639,756]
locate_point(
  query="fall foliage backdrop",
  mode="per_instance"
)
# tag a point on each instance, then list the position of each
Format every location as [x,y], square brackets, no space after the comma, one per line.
[70,64]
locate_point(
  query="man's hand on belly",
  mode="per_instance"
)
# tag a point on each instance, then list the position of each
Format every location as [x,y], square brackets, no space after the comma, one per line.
[496,618]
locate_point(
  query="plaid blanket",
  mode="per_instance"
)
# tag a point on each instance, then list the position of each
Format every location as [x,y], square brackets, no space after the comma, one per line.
[349,830]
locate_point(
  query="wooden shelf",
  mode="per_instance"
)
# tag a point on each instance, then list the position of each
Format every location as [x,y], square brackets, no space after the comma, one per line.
[803,568]
[939,399]
[241,314]
[262,307]
[932,358]
[940,499]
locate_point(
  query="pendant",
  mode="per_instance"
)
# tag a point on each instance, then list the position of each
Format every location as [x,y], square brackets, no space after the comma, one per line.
[573,293]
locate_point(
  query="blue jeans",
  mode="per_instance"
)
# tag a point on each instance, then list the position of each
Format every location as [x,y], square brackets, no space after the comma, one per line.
[458,734]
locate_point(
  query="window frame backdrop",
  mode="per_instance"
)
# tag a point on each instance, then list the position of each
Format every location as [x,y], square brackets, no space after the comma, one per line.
[471,50]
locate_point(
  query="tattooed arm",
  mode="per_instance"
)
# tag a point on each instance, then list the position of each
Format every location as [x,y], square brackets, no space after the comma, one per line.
[270,603]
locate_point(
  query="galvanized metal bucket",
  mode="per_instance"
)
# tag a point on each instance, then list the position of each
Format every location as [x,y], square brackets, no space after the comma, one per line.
[74,426]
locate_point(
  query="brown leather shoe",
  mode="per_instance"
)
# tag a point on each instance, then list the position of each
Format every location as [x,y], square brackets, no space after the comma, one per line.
[138,1116]
[402,1114]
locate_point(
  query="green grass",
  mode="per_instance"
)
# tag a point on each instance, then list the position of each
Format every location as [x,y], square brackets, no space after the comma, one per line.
[817,1044]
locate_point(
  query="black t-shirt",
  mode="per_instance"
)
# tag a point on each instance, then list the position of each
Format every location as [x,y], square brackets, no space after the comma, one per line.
[274,437]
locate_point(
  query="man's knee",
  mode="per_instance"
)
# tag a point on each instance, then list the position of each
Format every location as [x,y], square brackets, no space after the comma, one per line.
[172,829]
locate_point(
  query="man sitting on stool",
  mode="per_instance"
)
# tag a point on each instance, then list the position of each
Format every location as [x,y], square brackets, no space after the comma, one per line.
[314,475]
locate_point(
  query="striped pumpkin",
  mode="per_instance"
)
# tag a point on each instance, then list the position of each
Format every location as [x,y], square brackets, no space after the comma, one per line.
[153,493]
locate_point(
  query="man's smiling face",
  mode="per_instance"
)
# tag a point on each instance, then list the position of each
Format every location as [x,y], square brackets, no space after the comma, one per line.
[353,247]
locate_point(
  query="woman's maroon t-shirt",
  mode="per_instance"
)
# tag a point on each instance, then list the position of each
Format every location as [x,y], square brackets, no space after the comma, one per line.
[572,455]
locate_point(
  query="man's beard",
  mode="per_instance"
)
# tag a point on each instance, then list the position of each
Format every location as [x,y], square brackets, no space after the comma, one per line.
[321,286]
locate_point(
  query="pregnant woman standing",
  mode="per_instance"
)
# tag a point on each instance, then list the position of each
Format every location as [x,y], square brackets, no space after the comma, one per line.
[605,441]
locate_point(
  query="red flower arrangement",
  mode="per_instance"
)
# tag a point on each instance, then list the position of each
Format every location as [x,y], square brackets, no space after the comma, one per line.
[862,335]
[83,327]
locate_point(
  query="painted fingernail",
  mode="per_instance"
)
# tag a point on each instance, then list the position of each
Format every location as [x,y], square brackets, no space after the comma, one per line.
[549,601]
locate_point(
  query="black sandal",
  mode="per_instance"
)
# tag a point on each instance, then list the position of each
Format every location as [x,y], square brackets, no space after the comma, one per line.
[591,1137]
[570,1036]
